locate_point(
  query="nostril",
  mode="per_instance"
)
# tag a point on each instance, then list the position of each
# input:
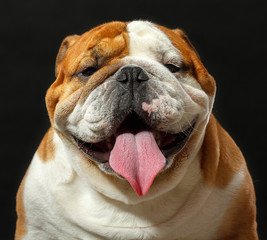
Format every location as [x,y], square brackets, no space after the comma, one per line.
[132,73]
[122,77]
[143,76]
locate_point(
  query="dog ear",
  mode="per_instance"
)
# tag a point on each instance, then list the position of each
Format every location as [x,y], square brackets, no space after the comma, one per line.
[67,42]
[206,81]
[182,34]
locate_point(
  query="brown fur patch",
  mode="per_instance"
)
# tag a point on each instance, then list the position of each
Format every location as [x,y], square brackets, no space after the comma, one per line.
[239,222]
[53,95]
[191,59]
[46,149]
[21,225]
[67,42]
[101,48]
[99,78]
[97,47]
[221,158]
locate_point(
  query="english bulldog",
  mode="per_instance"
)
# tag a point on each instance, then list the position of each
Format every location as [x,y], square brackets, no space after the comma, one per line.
[134,151]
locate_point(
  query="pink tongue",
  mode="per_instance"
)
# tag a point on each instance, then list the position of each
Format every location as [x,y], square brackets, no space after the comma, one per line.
[138,159]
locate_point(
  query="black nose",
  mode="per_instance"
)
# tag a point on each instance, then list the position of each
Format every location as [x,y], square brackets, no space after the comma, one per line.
[132,74]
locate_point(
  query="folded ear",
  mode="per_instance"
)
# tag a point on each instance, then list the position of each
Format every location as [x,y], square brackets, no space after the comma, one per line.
[206,81]
[67,42]
[182,34]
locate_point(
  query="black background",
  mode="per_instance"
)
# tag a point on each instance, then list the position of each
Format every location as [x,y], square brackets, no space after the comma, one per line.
[229,36]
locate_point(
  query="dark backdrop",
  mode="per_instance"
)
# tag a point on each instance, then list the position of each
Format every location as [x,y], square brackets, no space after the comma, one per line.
[229,35]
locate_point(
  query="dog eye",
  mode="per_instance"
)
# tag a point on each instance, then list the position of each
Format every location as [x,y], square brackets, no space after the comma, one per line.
[172,68]
[88,71]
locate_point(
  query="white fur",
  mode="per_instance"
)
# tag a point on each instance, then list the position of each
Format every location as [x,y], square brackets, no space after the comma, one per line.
[180,97]
[68,207]
[67,198]
[151,48]
[147,40]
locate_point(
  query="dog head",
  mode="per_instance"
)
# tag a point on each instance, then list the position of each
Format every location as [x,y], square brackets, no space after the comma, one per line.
[131,101]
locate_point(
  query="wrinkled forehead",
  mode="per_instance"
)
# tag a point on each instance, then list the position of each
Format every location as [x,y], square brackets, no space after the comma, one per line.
[146,40]
[118,39]
[101,43]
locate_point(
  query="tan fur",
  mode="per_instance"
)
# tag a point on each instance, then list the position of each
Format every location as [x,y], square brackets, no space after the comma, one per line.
[46,150]
[65,45]
[90,45]
[192,61]
[220,159]
[21,225]
[239,222]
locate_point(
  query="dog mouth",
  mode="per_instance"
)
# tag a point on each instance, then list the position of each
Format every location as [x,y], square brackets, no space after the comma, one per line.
[168,144]
[136,151]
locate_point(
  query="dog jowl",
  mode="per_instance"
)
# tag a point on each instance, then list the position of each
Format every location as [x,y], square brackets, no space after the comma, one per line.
[134,151]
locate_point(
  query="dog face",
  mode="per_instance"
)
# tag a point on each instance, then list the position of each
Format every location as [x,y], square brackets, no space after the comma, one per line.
[131,100]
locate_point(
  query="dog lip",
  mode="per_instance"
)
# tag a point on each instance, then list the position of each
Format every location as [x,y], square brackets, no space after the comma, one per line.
[91,151]
[101,155]
[180,140]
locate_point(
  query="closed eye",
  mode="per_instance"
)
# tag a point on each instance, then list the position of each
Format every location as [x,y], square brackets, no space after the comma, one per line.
[88,71]
[172,68]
